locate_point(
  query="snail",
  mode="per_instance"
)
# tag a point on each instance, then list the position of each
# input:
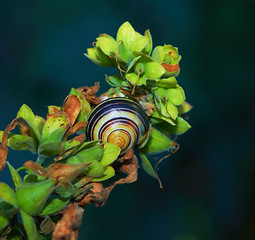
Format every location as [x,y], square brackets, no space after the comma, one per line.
[120,121]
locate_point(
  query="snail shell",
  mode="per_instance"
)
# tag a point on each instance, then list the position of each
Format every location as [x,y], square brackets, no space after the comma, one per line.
[120,121]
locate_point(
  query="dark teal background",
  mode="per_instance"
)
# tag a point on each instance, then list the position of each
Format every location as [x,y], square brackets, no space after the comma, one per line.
[209,183]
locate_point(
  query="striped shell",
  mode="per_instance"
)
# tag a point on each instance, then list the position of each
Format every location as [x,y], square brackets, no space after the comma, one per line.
[120,121]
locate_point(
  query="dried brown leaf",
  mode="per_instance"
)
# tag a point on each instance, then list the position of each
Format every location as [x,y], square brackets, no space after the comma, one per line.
[36,168]
[72,108]
[24,129]
[90,93]
[67,227]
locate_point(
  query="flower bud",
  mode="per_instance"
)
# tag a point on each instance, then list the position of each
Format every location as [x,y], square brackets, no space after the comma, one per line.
[32,197]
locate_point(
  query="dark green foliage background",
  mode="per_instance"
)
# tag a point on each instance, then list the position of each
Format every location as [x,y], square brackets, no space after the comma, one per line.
[209,183]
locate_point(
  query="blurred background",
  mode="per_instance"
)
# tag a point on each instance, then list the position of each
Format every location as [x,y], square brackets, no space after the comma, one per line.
[209,183]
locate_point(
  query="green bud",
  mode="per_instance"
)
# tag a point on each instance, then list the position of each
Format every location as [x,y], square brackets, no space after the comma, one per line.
[32,197]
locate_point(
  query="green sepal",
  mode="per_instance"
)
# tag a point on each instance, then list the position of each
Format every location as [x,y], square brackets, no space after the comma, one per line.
[181,127]
[54,206]
[22,142]
[17,181]
[169,110]
[8,195]
[108,173]
[110,154]
[29,225]
[157,143]
[147,165]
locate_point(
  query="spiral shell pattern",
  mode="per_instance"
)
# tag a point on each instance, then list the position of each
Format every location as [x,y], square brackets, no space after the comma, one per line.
[120,121]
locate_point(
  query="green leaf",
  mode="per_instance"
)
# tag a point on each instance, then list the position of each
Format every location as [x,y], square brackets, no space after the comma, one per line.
[139,44]
[115,80]
[123,51]
[158,54]
[22,142]
[8,195]
[166,82]
[169,110]
[176,95]
[91,154]
[126,33]
[29,225]
[17,181]
[184,108]
[147,165]
[107,44]
[65,190]
[53,123]
[157,143]
[54,206]
[50,148]
[111,153]
[9,135]
[26,113]
[135,80]
[148,47]
[154,70]
[95,169]
[4,220]
[108,173]
[134,61]
[157,115]
[181,127]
